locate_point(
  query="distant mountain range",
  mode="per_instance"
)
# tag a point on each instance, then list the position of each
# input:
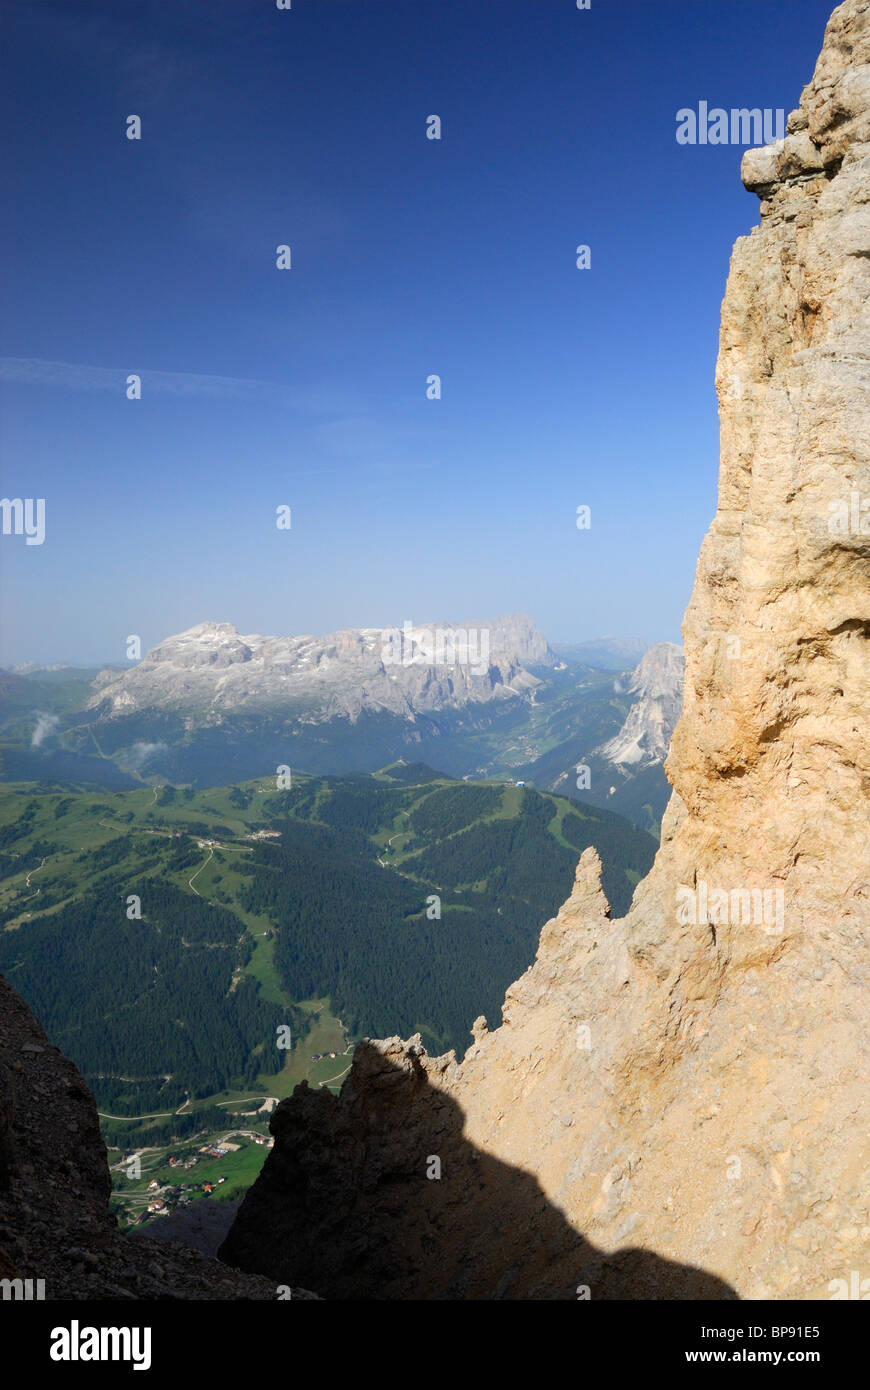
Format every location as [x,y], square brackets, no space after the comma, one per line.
[211,669]
[480,699]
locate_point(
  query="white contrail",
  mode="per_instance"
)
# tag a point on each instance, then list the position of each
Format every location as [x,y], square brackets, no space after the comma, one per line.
[81,377]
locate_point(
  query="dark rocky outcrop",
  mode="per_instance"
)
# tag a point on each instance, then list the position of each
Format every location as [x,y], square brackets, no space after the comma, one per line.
[55,1222]
[378,1194]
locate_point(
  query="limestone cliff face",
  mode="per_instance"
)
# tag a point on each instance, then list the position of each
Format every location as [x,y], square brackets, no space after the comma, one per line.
[685,1089]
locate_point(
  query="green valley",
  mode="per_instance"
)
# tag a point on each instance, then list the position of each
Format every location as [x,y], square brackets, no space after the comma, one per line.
[199,953]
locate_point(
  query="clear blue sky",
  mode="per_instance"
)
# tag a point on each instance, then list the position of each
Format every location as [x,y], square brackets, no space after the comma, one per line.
[410,257]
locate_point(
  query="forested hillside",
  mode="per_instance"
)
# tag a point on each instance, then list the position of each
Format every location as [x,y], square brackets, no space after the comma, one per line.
[394,906]
[160,1002]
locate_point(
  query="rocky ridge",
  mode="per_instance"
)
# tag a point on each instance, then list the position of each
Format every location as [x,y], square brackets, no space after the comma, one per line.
[212,669]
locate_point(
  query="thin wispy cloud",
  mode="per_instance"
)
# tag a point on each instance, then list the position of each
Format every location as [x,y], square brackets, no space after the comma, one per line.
[74,376]
[343,435]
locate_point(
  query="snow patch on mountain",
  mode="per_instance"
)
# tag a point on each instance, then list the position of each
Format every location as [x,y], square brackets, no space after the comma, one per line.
[212,669]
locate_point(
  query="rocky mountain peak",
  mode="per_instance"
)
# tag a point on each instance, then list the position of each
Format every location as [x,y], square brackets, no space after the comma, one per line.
[207,644]
[657,685]
[403,670]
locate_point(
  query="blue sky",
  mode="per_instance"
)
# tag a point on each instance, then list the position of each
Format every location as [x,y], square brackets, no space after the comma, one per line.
[411,257]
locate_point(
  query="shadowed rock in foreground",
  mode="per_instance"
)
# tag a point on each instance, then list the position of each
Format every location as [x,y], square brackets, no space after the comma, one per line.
[55,1223]
[390,1179]
[685,1089]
